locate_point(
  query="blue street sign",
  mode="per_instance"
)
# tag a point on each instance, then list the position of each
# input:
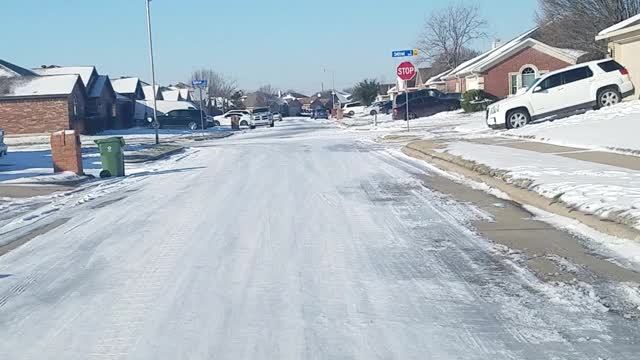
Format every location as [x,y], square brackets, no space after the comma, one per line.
[404,53]
[199,82]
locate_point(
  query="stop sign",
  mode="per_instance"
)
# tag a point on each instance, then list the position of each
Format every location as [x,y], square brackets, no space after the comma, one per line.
[406,71]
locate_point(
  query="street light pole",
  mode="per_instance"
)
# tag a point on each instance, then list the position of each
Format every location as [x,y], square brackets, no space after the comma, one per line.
[156,125]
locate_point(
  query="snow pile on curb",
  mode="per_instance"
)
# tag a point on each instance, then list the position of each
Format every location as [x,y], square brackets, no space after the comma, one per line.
[605,191]
[614,128]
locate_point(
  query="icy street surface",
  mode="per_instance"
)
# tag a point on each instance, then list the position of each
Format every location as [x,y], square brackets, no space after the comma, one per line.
[298,242]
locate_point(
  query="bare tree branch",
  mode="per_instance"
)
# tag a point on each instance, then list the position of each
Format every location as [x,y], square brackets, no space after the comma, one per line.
[575,23]
[449,33]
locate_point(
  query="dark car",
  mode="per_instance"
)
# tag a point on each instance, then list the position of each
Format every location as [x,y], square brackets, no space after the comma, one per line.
[188,118]
[424,106]
[320,114]
[402,98]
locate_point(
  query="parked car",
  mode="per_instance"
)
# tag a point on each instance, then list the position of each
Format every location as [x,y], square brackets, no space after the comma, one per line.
[277,116]
[261,116]
[320,114]
[424,106]
[402,98]
[3,147]
[353,108]
[380,107]
[594,84]
[225,119]
[189,118]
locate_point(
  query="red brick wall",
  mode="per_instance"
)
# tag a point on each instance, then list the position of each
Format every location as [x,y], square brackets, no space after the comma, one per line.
[66,152]
[34,116]
[496,79]
[451,85]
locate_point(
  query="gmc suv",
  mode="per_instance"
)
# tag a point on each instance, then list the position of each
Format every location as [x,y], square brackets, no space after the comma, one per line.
[593,84]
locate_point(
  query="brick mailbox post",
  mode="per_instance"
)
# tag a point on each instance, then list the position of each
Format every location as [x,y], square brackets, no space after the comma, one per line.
[66,152]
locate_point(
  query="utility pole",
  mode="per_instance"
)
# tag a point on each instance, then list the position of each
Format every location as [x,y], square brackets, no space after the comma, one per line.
[156,125]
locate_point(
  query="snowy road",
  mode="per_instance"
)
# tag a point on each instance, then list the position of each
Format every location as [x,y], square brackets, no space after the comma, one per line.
[297,242]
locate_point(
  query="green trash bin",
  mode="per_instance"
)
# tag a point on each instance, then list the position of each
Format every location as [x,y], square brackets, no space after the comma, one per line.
[112,156]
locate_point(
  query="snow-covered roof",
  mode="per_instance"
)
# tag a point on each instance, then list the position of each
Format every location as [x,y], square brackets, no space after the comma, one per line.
[437,78]
[98,86]
[171,95]
[490,58]
[85,72]
[149,93]
[184,94]
[125,85]
[38,85]
[8,69]
[621,25]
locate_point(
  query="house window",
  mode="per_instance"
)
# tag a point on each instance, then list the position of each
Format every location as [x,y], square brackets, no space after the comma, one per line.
[513,83]
[528,77]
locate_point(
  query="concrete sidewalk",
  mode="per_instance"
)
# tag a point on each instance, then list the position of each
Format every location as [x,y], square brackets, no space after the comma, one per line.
[597,188]
[600,157]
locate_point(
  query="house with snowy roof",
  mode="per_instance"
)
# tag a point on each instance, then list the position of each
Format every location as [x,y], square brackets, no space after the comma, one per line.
[101,104]
[33,104]
[623,41]
[128,91]
[506,68]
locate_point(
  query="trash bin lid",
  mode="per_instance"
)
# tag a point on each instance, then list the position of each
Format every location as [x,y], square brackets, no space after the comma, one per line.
[110,140]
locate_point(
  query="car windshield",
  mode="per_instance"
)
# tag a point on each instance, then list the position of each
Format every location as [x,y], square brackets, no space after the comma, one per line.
[323,180]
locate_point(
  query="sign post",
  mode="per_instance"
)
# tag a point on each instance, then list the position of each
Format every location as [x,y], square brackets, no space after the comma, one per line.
[200,84]
[406,71]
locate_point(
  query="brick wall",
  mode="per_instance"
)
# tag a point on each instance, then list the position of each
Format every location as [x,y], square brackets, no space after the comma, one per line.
[66,152]
[34,115]
[496,79]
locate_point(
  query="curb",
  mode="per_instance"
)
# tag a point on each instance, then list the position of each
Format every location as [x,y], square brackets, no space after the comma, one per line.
[518,191]
[138,159]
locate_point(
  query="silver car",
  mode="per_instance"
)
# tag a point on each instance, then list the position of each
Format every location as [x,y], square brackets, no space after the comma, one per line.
[3,147]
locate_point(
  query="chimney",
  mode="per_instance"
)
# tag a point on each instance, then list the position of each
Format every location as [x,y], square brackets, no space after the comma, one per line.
[496,44]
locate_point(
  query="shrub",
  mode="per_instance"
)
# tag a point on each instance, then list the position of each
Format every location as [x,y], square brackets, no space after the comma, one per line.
[476,100]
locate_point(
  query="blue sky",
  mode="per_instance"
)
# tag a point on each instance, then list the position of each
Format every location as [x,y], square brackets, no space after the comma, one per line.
[284,43]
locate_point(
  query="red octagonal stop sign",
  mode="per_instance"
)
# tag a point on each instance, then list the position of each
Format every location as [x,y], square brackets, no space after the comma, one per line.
[406,71]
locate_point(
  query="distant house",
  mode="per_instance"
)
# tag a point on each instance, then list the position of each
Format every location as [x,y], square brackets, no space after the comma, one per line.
[128,91]
[42,104]
[503,70]
[317,103]
[624,45]
[295,107]
[172,95]
[102,99]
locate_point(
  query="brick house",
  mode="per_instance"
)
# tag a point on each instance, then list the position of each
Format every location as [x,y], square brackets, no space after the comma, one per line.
[503,70]
[101,100]
[128,91]
[42,104]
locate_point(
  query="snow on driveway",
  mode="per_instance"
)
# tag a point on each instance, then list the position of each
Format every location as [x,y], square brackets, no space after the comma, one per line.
[614,128]
[288,243]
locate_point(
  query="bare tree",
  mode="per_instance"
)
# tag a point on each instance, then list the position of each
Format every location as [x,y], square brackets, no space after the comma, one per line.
[575,23]
[218,85]
[268,89]
[448,34]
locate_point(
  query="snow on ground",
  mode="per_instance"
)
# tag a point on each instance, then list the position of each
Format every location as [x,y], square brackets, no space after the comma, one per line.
[453,123]
[614,128]
[601,190]
[344,256]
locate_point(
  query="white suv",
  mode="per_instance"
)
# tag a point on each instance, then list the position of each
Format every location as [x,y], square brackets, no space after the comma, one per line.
[353,108]
[596,84]
[225,119]
[3,147]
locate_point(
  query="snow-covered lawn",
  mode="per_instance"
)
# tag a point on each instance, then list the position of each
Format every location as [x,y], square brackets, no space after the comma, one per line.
[614,128]
[601,190]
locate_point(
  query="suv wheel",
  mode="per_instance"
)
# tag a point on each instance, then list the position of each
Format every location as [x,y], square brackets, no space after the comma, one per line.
[216,123]
[373,113]
[608,97]
[192,125]
[517,119]
[244,123]
[351,113]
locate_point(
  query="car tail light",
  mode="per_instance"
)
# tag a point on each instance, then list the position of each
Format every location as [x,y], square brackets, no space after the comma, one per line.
[395,111]
[624,71]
